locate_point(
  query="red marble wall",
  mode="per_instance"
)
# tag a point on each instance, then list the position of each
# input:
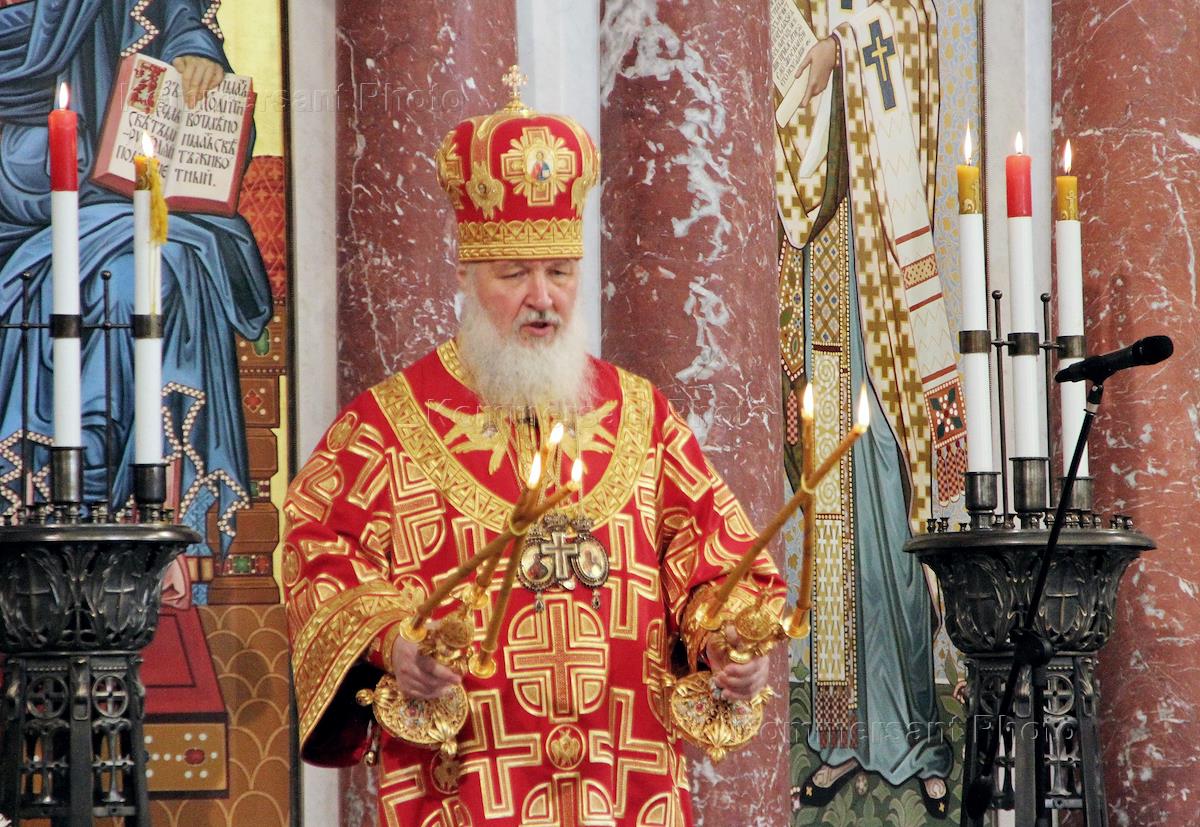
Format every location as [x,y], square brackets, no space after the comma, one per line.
[1127,91]
[407,73]
[689,279]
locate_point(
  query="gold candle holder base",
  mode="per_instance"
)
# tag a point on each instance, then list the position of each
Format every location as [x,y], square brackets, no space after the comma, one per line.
[411,632]
[708,619]
[716,725]
[482,666]
[426,722]
[798,626]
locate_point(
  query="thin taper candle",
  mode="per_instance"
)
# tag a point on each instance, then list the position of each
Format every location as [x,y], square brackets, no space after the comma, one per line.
[797,625]
[806,489]
[484,666]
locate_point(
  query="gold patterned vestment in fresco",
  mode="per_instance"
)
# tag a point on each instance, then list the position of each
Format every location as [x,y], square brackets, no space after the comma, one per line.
[412,479]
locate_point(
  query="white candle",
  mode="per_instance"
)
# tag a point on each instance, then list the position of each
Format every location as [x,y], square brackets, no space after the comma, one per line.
[976,366]
[1023,304]
[64,245]
[1069,267]
[147,352]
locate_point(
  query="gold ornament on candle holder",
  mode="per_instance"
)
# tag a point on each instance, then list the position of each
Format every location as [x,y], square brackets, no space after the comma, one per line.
[428,722]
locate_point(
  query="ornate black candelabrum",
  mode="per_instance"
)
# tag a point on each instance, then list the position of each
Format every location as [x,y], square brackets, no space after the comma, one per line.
[1030,599]
[80,585]
[987,579]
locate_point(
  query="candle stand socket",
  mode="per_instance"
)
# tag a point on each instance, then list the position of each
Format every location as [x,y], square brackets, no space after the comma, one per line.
[1030,489]
[981,497]
[150,489]
[66,476]
[1082,499]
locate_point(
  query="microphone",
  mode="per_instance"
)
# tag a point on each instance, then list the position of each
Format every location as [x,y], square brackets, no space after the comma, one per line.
[1148,351]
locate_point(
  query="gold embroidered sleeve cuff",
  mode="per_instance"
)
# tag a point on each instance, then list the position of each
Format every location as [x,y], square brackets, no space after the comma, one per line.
[335,638]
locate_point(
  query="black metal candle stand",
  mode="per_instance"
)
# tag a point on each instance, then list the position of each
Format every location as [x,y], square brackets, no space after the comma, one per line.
[80,586]
[77,603]
[1030,598]
[987,580]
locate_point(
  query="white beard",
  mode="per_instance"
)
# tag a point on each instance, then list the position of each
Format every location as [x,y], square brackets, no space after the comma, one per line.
[509,372]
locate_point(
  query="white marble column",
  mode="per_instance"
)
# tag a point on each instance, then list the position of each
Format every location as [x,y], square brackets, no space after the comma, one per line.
[1016,97]
[558,47]
[313,74]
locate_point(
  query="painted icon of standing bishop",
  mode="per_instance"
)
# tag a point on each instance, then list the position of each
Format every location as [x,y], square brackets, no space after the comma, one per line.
[862,303]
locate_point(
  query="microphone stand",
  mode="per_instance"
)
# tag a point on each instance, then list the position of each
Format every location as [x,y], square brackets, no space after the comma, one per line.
[1030,649]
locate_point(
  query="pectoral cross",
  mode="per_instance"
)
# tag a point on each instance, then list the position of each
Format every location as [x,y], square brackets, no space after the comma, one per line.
[563,550]
[876,54]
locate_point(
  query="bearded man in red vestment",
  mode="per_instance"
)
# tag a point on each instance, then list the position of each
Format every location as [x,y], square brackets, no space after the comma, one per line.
[422,470]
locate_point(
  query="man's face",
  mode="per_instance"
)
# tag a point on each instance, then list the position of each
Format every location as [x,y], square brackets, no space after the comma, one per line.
[527,299]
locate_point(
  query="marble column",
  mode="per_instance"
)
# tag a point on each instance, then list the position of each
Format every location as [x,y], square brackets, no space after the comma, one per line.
[1125,89]
[689,279]
[407,73]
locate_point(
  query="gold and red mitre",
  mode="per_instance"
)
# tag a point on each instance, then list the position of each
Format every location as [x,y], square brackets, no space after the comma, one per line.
[518,180]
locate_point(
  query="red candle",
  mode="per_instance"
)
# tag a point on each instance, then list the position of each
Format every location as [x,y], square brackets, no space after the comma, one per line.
[64,166]
[1016,174]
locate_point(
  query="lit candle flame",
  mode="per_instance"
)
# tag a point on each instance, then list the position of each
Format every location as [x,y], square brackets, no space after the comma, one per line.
[556,434]
[1019,144]
[147,145]
[535,471]
[806,401]
[1067,158]
[64,95]
[863,420]
[967,147]
[577,472]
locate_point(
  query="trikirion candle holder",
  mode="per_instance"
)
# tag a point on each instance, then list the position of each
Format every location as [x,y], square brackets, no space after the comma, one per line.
[433,723]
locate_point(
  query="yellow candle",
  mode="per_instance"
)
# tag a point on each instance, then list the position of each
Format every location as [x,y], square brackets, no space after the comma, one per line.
[1066,186]
[483,665]
[556,435]
[969,200]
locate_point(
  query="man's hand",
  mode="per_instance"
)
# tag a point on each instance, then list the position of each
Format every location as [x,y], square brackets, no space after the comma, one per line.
[737,681]
[199,76]
[417,675]
[822,59]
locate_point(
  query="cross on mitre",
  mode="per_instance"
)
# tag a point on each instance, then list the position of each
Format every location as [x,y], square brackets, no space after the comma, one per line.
[514,79]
